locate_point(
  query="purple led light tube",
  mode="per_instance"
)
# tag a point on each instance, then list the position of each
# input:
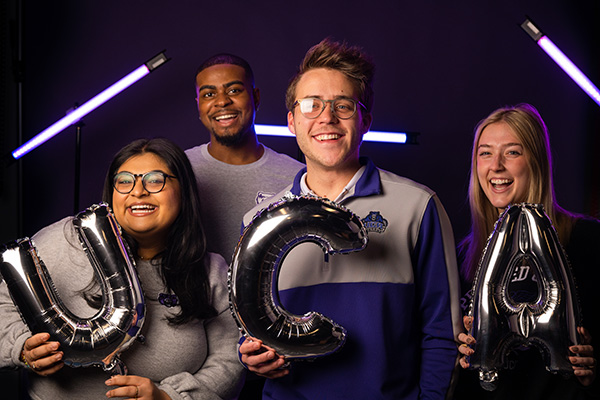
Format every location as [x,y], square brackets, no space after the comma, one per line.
[371,136]
[95,102]
[562,60]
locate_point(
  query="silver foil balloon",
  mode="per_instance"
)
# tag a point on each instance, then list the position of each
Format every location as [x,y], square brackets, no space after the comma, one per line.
[523,234]
[85,342]
[254,272]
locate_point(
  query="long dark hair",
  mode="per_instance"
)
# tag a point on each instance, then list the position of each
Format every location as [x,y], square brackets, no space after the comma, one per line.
[183,264]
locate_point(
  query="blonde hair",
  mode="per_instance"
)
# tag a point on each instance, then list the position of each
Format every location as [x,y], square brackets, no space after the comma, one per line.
[527,125]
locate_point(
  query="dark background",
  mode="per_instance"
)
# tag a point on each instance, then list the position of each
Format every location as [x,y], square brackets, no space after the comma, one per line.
[441,67]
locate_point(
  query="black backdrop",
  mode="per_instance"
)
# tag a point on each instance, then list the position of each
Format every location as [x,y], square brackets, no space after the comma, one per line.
[441,67]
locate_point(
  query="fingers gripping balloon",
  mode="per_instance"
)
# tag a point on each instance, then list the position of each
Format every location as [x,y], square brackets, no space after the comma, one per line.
[254,272]
[85,342]
[523,234]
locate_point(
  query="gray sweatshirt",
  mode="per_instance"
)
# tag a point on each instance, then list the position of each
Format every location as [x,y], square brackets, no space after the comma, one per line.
[197,360]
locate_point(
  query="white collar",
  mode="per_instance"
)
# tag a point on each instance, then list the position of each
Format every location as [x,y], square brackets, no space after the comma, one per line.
[347,191]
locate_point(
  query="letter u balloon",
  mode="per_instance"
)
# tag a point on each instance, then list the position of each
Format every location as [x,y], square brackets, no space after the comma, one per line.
[85,342]
[523,235]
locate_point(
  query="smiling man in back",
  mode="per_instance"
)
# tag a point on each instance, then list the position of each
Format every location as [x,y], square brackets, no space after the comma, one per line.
[234,171]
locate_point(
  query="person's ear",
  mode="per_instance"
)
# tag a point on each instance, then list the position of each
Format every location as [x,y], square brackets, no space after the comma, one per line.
[366,120]
[256,97]
[290,118]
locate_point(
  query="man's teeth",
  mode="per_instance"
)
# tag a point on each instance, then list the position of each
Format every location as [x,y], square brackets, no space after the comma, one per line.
[226,116]
[327,137]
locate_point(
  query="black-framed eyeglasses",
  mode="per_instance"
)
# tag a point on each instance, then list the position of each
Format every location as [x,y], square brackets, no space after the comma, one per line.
[153,181]
[343,108]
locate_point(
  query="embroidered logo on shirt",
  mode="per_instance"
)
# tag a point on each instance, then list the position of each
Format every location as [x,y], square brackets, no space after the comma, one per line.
[168,300]
[374,222]
[260,196]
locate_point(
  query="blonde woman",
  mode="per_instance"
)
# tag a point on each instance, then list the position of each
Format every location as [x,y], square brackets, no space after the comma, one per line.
[511,163]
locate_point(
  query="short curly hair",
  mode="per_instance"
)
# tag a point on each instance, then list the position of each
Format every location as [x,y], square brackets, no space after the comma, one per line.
[226,58]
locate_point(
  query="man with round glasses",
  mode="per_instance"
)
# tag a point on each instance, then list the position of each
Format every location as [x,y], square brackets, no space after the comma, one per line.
[342,108]
[398,298]
[234,171]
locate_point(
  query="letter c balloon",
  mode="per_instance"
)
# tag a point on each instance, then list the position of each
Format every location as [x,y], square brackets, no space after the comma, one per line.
[254,271]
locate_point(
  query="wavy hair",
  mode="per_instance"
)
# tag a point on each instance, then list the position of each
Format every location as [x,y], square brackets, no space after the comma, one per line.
[529,128]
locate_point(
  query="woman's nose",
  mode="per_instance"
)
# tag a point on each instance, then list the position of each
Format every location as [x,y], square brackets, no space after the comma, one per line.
[138,187]
[498,162]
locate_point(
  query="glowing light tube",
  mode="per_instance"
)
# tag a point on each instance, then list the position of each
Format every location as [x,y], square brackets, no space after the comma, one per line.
[570,68]
[562,60]
[371,136]
[95,102]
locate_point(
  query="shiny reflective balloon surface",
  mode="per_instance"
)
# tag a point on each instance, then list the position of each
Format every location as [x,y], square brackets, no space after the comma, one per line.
[523,235]
[254,271]
[85,342]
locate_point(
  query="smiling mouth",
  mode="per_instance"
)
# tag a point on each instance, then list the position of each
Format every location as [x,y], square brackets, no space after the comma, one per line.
[329,136]
[225,117]
[142,209]
[501,183]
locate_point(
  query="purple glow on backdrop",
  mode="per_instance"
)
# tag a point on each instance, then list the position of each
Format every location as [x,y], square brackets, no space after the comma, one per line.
[89,106]
[563,61]
[78,113]
[371,136]
[81,111]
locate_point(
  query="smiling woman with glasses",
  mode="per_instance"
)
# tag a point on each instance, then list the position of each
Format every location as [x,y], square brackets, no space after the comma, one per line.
[189,345]
[153,181]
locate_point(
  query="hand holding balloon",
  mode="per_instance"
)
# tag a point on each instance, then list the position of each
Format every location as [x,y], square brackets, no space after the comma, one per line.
[262,360]
[86,341]
[524,235]
[41,355]
[466,340]
[583,362]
